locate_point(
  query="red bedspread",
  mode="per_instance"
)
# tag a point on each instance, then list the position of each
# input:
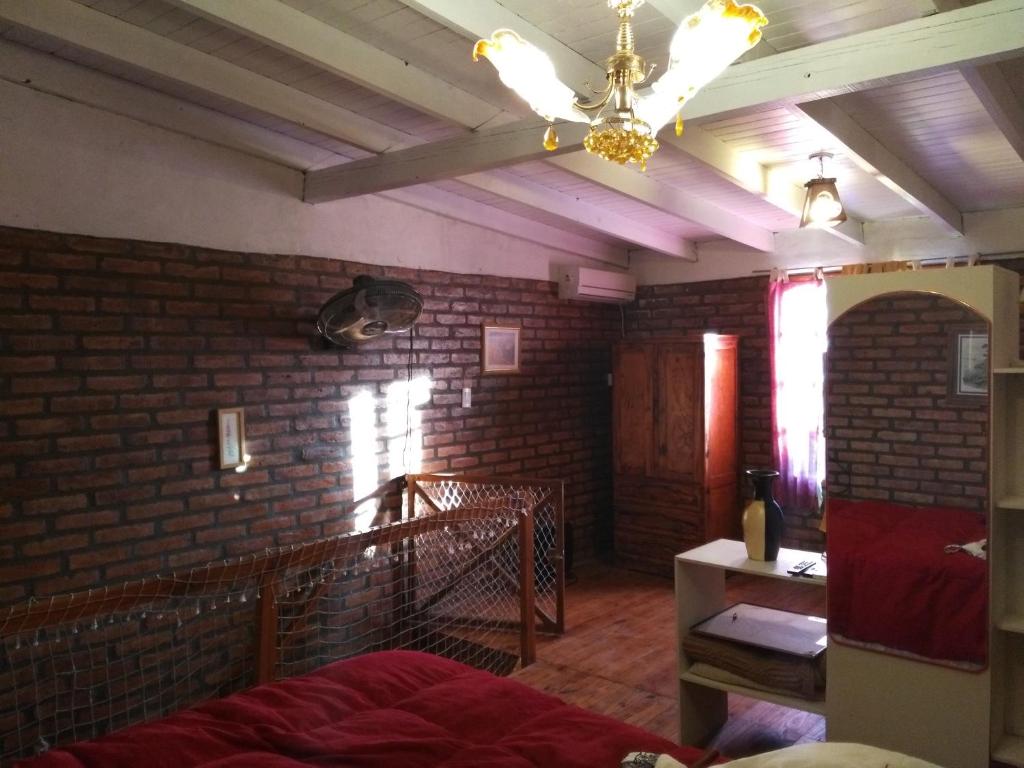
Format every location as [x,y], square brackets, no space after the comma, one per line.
[890,582]
[395,708]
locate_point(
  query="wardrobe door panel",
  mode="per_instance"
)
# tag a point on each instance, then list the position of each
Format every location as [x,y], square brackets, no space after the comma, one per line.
[633,409]
[679,421]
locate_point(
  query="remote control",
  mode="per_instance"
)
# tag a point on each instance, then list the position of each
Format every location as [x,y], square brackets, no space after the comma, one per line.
[799,568]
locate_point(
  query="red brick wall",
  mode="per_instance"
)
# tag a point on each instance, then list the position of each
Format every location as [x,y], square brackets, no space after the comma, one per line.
[114,356]
[738,307]
[894,432]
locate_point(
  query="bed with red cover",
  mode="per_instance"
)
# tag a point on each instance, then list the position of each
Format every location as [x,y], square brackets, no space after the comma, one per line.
[891,582]
[392,708]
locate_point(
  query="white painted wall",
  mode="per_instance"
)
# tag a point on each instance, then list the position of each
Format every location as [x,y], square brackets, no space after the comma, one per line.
[72,168]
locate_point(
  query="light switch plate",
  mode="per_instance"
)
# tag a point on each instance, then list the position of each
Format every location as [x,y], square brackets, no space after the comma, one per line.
[467,397]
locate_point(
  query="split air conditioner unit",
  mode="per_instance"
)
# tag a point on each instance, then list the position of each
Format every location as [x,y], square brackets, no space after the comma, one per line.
[585,284]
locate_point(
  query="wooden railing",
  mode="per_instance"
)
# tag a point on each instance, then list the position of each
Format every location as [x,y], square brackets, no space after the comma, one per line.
[440,537]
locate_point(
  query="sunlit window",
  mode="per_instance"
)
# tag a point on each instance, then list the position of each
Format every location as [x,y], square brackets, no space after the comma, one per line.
[362,413]
[402,437]
[798,338]
[404,423]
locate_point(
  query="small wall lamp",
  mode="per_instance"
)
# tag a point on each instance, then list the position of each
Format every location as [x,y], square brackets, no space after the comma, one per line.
[822,206]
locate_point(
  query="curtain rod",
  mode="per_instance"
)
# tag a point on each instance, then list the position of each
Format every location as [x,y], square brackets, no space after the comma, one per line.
[935,260]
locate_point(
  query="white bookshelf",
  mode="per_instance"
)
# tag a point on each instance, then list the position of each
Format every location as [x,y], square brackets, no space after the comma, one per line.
[700,592]
[1006,551]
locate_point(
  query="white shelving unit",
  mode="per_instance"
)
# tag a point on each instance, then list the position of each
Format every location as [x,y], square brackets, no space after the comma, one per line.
[1006,538]
[700,592]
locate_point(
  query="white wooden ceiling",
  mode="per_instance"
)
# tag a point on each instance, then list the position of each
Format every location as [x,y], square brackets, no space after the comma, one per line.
[939,134]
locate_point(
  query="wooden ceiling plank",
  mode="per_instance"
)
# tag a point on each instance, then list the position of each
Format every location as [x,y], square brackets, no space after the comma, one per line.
[463,209]
[601,219]
[666,198]
[876,159]
[74,24]
[327,47]
[57,77]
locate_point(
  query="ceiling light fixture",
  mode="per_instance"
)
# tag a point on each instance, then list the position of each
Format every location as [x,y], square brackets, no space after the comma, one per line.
[822,206]
[623,123]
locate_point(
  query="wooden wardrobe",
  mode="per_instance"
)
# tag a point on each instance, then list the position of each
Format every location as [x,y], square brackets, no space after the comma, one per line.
[675,447]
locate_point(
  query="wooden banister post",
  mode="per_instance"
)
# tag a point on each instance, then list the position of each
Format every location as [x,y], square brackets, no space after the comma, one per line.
[528,627]
[266,632]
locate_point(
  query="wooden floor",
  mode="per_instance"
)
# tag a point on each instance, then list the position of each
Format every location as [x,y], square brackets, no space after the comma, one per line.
[618,657]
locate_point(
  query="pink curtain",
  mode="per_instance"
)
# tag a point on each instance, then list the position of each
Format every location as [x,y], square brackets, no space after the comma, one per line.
[797,325]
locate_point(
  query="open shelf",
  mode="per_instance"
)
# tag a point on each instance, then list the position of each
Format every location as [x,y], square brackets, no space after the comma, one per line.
[1012,370]
[1011,502]
[807,705]
[1012,623]
[1010,749]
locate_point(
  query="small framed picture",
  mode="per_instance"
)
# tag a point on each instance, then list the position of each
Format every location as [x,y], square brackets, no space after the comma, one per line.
[231,433]
[500,349]
[968,375]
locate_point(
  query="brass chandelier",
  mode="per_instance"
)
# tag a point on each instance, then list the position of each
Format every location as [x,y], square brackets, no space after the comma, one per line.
[624,123]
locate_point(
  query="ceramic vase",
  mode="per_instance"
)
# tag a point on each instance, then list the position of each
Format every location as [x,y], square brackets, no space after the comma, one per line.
[762,518]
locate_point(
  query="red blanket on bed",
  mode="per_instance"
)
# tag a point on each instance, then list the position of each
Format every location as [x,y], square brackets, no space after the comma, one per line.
[396,708]
[891,583]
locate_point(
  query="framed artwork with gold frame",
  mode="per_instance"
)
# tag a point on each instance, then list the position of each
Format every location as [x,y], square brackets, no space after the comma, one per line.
[500,349]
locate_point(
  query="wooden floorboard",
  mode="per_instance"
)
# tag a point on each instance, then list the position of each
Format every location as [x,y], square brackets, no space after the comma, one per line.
[618,657]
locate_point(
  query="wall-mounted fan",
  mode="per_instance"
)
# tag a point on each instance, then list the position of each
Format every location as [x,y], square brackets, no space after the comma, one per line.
[370,308]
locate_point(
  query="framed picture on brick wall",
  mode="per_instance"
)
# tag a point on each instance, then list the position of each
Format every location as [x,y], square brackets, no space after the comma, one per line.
[500,349]
[231,437]
[968,375]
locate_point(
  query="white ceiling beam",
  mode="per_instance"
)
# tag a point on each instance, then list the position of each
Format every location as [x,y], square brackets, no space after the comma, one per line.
[327,47]
[41,72]
[993,91]
[77,25]
[463,209]
[877,160]
[850,231]
[598,218]
[666,198]
[518,142]
[989,30]
[479,151]
[997,97]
